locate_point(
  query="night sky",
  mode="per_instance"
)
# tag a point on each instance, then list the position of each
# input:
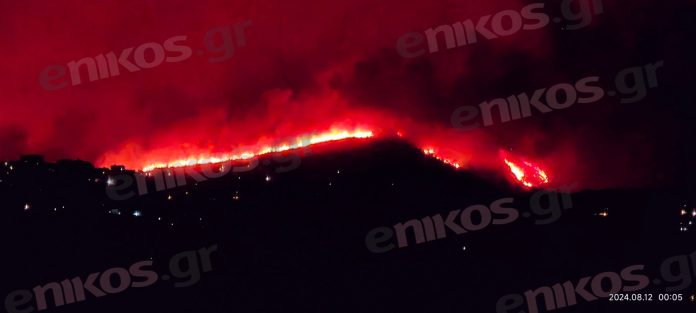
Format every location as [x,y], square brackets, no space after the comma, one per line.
[308,66]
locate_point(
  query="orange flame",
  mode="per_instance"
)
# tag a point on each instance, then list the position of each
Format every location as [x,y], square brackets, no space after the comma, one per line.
[299,142]
[450,162]
[525,172]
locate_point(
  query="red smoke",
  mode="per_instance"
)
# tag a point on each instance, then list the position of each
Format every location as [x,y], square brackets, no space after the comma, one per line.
[307,67]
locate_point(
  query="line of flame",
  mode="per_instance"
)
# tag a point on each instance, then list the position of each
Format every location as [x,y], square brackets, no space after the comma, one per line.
[431,152]
[300,142]
[517,171]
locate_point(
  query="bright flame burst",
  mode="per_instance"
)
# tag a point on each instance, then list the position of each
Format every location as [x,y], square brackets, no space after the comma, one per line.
[300,142]
[431,152]
[525,172]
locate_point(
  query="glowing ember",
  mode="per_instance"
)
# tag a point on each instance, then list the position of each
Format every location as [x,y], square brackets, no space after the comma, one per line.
[300,142]
[450,162]
[525,172]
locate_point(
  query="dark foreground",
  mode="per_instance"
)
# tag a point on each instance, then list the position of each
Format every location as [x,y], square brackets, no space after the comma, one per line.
[277,238]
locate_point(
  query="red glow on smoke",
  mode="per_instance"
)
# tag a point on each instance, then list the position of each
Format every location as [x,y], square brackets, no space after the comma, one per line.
[307,67]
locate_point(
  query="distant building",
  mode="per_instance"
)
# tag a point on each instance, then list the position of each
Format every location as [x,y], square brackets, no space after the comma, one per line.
[75,168]
[75,163]
[34,159]
[118,168]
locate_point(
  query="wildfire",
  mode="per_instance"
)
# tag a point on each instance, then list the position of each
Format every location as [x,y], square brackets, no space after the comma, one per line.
[525,172]
[431,152]
[299,142]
